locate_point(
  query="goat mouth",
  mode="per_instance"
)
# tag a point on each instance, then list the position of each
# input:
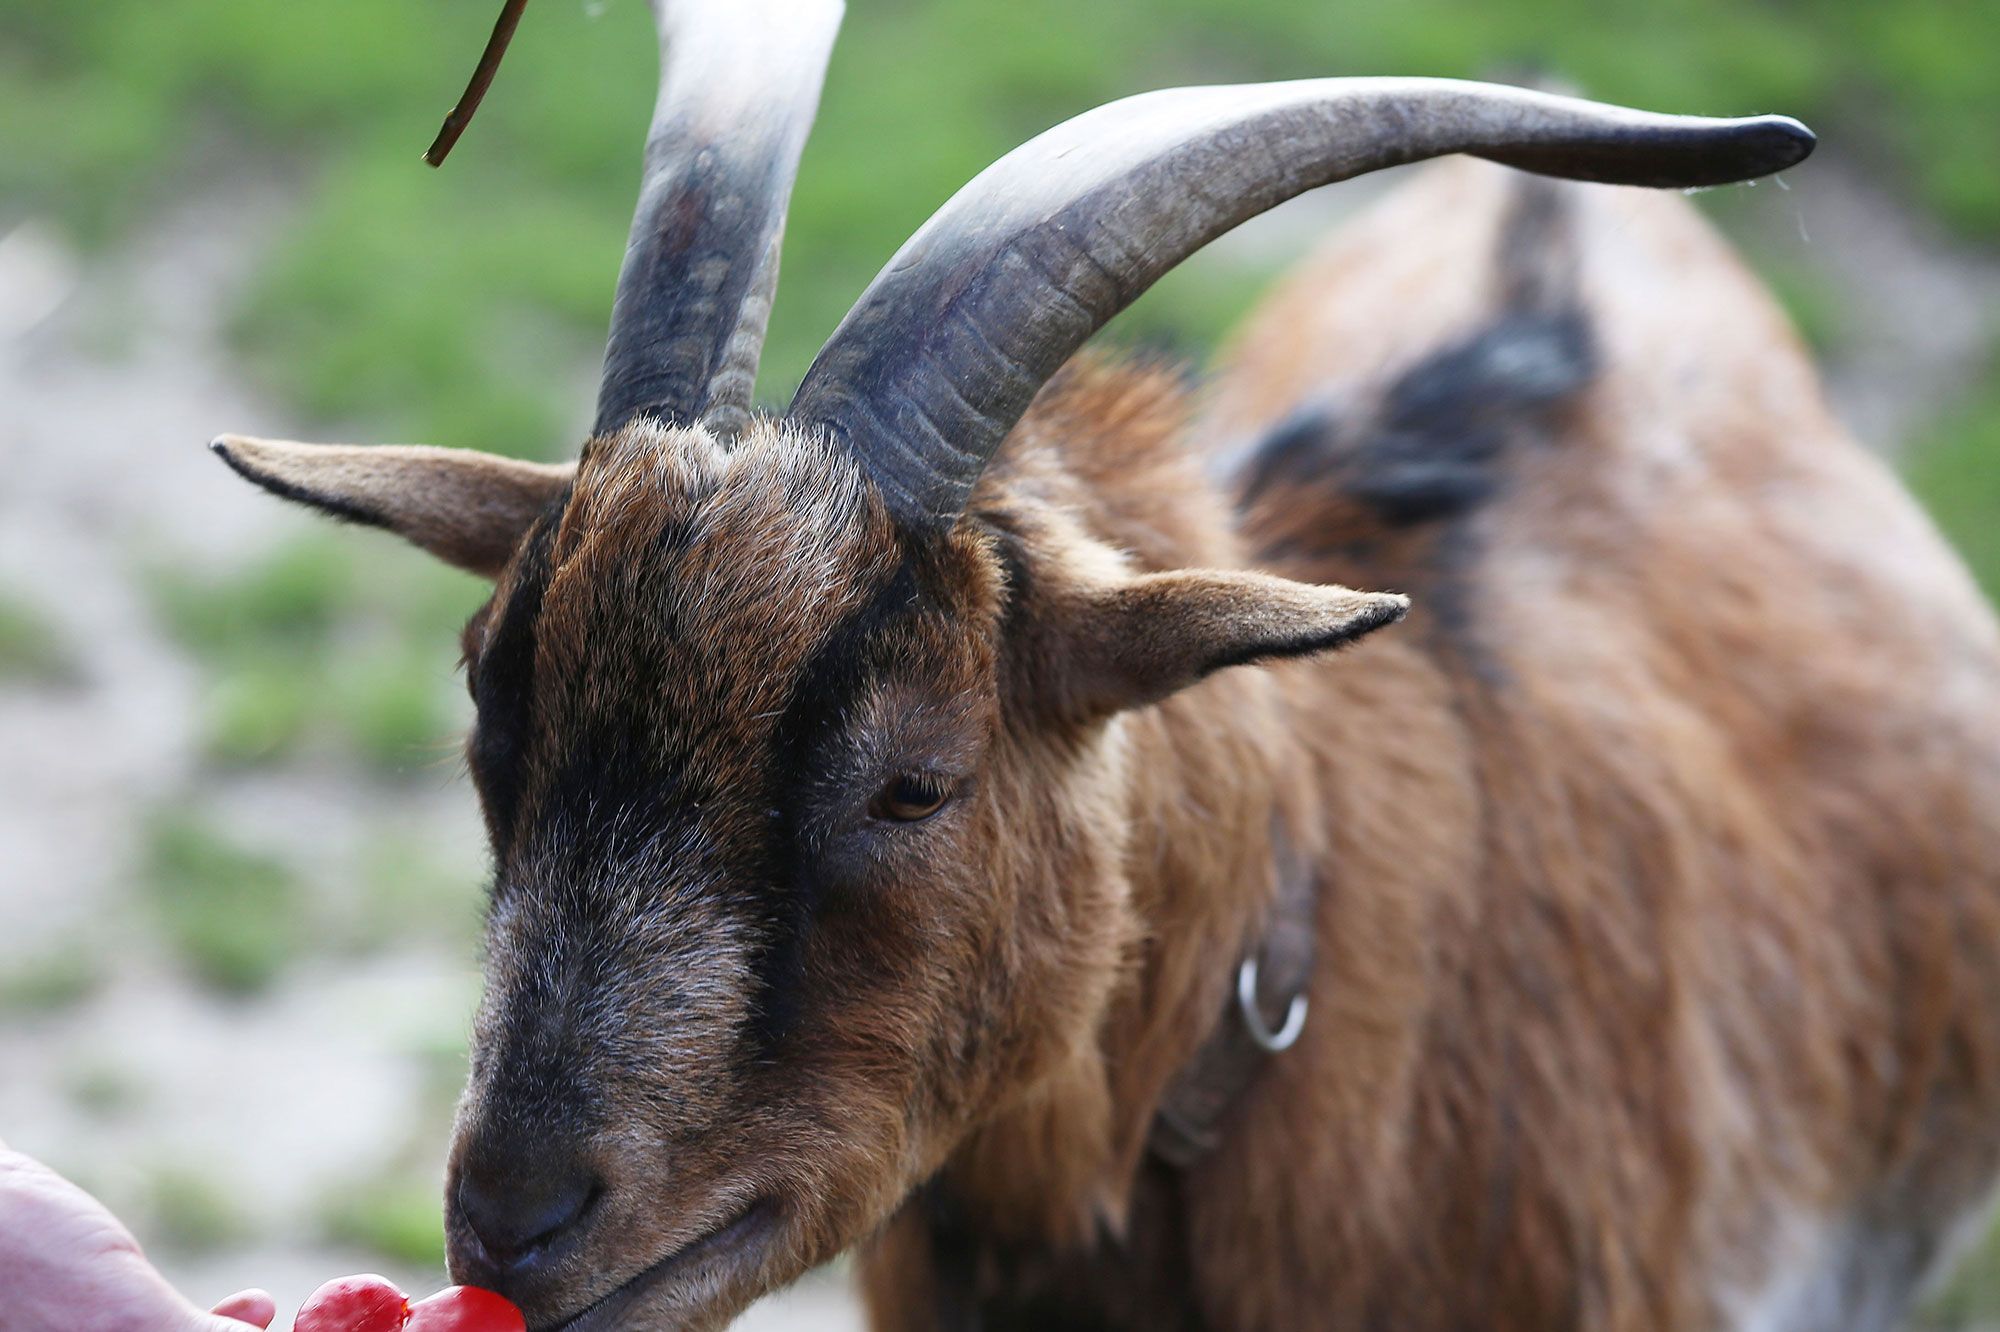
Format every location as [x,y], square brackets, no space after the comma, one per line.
[740,1238]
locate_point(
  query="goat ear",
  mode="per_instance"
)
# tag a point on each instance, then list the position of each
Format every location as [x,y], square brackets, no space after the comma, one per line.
[1137,640]
[469,509]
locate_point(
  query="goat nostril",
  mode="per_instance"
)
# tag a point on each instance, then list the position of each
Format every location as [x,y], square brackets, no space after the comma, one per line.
[521,1218]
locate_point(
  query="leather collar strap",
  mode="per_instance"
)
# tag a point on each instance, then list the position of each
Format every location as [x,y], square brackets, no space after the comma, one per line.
[1188,1125]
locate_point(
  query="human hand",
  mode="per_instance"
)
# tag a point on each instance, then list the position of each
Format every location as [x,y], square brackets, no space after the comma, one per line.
[68,1265]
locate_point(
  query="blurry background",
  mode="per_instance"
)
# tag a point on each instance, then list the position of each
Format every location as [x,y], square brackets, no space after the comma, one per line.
[240,872]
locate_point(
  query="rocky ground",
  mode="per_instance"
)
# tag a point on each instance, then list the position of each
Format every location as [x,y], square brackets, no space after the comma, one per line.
[280,1124]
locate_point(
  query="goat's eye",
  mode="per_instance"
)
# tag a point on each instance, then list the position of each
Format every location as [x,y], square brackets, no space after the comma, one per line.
[911,797]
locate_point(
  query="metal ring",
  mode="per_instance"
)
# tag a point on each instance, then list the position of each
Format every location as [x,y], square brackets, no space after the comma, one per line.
[1253,1021]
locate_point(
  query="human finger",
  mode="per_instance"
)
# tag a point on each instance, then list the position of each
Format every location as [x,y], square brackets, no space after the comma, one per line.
[255,1307]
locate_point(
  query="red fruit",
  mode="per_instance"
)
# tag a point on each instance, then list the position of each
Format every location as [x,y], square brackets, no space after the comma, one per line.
[465,1309]
[354,1304]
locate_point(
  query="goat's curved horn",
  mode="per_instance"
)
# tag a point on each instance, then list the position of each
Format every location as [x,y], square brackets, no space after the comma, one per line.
[739,83]
[947,347]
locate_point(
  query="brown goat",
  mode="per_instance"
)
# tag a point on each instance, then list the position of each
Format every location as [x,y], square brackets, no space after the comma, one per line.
[877,835]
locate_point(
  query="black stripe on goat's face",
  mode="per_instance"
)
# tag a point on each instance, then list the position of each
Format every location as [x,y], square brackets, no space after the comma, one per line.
[726,969]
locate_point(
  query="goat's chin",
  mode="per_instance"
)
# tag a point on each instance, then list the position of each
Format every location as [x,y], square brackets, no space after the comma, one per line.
[701,1285]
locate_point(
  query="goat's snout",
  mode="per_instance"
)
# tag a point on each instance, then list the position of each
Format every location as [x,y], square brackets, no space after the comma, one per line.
[523,1209]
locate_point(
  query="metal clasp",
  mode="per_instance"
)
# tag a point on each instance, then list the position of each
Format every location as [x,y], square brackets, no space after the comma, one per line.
[1253,1021]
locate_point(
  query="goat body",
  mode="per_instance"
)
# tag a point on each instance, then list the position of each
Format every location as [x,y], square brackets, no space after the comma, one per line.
[1659,853]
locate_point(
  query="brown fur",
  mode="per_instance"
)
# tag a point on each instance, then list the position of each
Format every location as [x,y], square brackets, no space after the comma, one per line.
[1671,924]
[1658,978]
[1675,923]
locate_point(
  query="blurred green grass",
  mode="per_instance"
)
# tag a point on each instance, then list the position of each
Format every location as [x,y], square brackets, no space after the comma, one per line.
[55,978]
[394,1212]
[193,1211]
[32,648]
[428,302]
[396,1216]
[233,915]
[454,307]
[326,643]
[103,1089]
[451,307]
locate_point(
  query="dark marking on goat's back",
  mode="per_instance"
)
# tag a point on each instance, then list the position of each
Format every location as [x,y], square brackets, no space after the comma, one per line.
[1436,443]
[1385,484]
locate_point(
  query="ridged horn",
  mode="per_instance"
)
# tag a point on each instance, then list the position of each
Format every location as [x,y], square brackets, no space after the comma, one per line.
[946,348]
[739,85]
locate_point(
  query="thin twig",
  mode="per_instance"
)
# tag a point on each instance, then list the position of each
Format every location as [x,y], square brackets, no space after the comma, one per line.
[482,78]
